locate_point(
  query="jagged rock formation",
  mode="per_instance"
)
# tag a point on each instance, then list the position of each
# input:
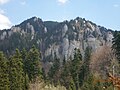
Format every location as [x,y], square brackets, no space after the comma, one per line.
[55,37]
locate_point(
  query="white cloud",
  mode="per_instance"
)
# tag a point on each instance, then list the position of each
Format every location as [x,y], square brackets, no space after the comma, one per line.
[4,22]
[116,5]
[63,1]
[4,1]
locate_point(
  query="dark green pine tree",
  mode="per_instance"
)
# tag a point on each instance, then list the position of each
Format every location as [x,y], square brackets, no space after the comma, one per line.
[44,75]
[75,67]
[16,73]
[116,45]
[64,61]
[4,75]
[85,67]
[33,65]
[23,55]
[85,74]
[56,63]
[66,79]
[53,72]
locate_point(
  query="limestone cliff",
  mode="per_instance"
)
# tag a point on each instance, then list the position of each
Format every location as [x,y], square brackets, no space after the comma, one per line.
[55,37]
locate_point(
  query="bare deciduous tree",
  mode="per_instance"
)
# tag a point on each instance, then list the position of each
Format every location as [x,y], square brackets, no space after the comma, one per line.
[102,60]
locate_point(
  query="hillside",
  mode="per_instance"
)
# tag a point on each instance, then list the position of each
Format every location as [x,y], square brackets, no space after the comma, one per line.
[55,37]
[68,55]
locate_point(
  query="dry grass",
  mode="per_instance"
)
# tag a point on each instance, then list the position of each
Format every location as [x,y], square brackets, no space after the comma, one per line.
[42,86]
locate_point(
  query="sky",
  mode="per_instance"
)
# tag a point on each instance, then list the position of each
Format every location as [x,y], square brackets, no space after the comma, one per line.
[102,12]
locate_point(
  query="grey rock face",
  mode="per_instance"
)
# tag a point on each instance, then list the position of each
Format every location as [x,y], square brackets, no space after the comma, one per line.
[89,35]
[62,38]
[109,38]
[64,30]
[4,34]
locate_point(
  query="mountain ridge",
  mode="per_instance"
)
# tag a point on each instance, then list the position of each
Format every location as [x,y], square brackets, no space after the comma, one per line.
[55,37]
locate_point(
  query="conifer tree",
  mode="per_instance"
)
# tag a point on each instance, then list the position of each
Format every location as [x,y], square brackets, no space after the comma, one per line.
[33,65]
[23,55]
[86,63]
[75,67]
[53,72]
[44,75]
[85,73]
[4,76]
[66,79]
[116,45]
[64,61]
[16,74]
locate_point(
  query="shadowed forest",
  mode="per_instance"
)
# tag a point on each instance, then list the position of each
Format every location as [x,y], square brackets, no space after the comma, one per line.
[97,70]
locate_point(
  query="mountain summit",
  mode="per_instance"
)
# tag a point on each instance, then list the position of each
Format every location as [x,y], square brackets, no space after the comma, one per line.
[55,37]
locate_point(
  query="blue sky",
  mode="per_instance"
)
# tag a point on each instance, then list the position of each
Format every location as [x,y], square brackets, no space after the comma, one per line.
[102,12]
